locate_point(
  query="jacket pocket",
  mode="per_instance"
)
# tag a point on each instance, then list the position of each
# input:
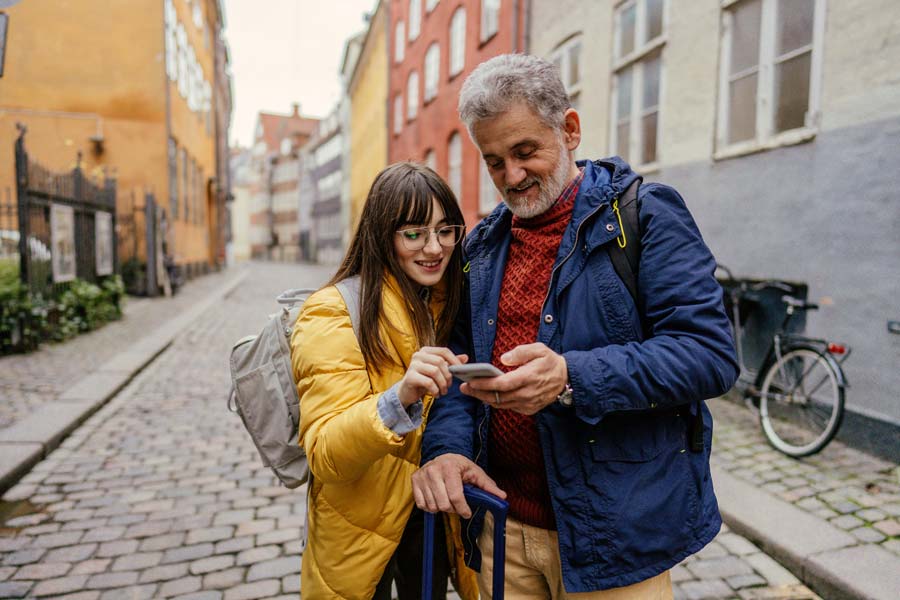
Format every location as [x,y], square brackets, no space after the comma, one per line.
[645,494]
[636,437]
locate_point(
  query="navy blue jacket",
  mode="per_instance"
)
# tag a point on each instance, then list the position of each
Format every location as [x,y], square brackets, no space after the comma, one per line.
[631,499]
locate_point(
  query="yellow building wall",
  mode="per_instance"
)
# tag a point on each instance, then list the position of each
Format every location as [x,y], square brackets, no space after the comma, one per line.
[368,115]
[79,69]
[195,132]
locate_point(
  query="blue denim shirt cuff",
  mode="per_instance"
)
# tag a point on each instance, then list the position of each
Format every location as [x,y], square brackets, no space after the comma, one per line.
[399,420]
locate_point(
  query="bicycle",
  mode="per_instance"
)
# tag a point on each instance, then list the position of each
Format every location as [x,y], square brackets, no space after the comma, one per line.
[797,385]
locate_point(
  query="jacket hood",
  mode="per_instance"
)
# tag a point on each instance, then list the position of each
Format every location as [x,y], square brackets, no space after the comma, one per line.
[603,179]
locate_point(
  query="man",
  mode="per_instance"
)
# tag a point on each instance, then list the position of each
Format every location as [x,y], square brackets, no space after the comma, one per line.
[588,434]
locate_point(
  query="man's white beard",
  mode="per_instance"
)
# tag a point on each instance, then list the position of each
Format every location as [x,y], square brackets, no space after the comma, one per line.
[549,189]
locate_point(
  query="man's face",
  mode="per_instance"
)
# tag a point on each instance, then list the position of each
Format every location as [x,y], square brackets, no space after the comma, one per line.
[529,162]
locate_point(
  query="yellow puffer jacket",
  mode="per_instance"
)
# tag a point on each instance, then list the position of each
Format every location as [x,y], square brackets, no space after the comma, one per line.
[361,495]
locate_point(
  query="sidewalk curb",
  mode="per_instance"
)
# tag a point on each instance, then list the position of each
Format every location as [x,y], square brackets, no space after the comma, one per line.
[827,559]
[27,442]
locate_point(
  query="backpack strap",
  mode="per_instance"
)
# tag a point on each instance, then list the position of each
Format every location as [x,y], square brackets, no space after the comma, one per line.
[625,254]
[350,289]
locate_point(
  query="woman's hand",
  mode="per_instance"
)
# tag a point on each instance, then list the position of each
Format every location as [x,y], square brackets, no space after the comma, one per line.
[428,373]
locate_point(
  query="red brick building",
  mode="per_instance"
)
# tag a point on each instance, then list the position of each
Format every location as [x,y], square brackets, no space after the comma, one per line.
[432,46]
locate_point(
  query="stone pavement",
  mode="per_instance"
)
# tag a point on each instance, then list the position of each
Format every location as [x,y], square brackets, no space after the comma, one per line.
[28,381]
[160,494]
[833,518]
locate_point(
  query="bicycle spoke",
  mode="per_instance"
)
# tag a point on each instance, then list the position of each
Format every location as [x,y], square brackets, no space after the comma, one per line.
[826,377]
[803,375]
[801,400]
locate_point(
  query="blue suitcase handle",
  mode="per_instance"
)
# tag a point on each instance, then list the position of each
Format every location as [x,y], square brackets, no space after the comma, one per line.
[476,498]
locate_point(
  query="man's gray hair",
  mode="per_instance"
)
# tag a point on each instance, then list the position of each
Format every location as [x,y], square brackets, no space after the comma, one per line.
[496,84]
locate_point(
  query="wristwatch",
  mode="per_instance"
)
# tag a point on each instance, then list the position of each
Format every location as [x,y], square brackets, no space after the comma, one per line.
[565,397]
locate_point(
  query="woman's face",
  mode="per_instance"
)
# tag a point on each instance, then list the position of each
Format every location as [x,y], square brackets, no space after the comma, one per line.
[424,265]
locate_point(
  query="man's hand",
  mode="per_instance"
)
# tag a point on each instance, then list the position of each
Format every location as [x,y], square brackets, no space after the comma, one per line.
[540,377]
[438,485]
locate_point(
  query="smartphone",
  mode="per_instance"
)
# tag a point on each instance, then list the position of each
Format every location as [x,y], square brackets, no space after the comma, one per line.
[474,371]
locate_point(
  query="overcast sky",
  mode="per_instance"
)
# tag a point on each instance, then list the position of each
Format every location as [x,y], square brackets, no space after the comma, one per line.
[285,51]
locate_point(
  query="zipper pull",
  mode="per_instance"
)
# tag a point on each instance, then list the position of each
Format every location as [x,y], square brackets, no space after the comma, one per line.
[621,239]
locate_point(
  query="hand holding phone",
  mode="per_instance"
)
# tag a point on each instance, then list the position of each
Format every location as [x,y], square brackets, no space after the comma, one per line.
[468,372]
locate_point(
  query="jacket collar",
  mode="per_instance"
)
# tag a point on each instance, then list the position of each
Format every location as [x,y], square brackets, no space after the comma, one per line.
[603,179]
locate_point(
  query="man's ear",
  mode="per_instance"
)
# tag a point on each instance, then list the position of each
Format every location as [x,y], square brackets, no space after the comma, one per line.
[571,129]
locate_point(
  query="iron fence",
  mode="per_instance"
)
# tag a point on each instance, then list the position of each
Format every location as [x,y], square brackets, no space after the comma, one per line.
[140,230]
[66,224]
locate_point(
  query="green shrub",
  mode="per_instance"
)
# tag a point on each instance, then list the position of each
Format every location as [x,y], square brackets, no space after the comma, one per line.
[27,319]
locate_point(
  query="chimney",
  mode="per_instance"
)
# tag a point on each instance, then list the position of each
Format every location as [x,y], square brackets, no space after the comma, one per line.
[296,109]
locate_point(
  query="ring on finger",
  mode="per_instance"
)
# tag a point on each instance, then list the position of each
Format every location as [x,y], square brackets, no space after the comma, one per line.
[496,398]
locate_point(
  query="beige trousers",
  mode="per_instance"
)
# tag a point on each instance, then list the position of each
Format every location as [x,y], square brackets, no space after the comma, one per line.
[533,569]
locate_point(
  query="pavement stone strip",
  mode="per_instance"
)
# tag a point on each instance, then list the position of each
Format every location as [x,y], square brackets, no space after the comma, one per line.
[25,379]
[852,490]
[160,494]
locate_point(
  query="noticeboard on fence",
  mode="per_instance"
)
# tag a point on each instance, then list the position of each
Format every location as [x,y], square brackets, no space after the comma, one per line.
[103,242]
[62,240]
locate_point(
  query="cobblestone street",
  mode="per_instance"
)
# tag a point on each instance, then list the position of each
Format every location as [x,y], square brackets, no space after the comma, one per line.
[160,494]
[852,490]
[24,378]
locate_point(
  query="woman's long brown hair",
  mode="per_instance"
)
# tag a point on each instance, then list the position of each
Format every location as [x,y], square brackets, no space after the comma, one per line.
[400,196]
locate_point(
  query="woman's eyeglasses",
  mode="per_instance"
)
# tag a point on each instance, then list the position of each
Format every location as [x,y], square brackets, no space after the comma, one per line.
[416,238]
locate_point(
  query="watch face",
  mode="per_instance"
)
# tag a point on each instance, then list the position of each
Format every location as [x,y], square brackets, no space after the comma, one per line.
[565,398]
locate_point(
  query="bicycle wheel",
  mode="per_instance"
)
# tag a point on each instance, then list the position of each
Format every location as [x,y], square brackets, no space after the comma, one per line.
[801,401]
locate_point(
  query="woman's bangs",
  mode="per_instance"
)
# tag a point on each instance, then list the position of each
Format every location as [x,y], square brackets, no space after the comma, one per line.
[415,206]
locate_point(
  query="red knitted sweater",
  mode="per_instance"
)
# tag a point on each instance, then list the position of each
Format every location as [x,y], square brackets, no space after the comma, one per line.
[515,458]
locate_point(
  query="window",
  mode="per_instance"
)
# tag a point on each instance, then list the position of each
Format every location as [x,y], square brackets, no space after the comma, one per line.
[490,18]
[430,160]
[430,4]
[637,80]
[567,57]
[173,178]
[415,18]
[770,72]
[412,95]
[457,41]
[329,150]
[398,113]
[432,69]
[185,188]
[488,197]
[454,165]
[399,42]
[202,189]
[190,204]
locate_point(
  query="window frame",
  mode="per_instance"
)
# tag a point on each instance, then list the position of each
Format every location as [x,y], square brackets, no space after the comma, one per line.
[454,179]
[415,20]
[457,51]
[488,196]
[561,55]
[412,95]
[636,60]
[485,31]
[430,5]
[173,178]
[398,114]
[766,137]
[432,74]
[399,41]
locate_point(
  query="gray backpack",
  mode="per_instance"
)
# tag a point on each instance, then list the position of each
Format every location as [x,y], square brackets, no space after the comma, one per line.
[263,390]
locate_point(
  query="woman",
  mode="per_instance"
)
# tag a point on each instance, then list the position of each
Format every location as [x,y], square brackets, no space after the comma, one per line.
[364,400]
